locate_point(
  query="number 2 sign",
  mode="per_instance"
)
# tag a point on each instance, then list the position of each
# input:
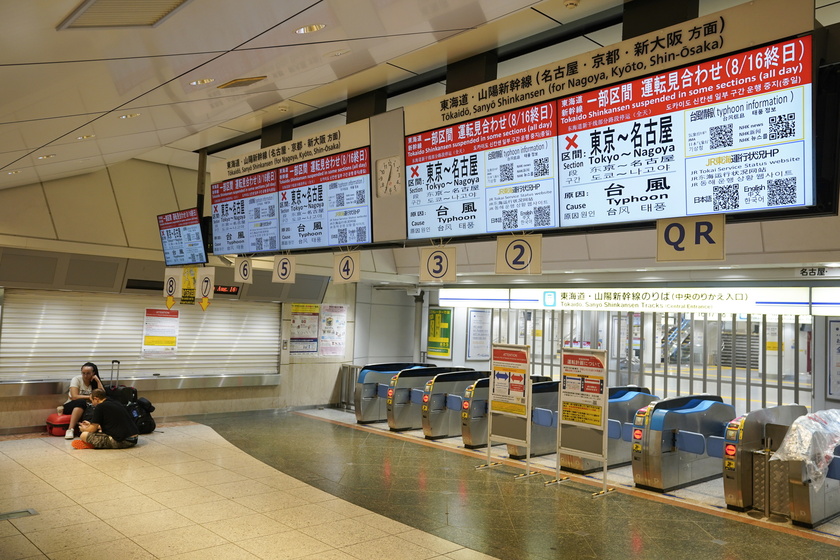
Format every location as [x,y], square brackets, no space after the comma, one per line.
[520,254]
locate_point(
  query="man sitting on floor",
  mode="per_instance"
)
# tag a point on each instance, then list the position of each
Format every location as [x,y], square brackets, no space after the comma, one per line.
[112,426]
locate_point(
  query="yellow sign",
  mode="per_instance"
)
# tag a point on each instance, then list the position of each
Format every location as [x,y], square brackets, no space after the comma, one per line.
[582,413]
[170,301]
[510,408]
[204,303]
[159,341]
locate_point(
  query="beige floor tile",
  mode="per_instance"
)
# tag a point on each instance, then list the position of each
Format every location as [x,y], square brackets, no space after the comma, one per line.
[281,481]
[38,502]
[136,524]
[257,471]
[468,554]
[426,540]
[73,536]
[101,493]
[330,555]
[291,544]
[185,497]
[121,549]
[28,485]
[383,523]
[179,541]
[249,526]
[191,467]
[211,478]
[344,508]
[271,501]
[118,507]
[305,516]
[344,533]
[311,494]
[139,474]
[166,484]
[240,488]
[388,548]
[7,529]
[15,547]
[163,455]
[214,511]
[50,519]
[221,552]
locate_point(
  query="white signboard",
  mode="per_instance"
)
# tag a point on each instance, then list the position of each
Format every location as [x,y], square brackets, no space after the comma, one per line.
[160,333]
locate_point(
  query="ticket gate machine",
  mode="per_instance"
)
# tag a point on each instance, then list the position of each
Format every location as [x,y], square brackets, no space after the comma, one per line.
[623,402]
[371,389]
[810,506]
[543,433]
[750,479]
[474,412]
[405,396]
[674,441]
[443,402]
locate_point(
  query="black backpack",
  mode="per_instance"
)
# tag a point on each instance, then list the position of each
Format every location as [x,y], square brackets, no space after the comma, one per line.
[144,421]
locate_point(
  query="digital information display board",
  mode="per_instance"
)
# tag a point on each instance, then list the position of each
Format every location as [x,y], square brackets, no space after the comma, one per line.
[734,134]
[326,201]
[245,214]
[493,174]
[730,135]
[180,235]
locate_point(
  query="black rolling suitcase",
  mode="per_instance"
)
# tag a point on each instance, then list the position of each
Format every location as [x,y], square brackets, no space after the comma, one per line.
[119,392]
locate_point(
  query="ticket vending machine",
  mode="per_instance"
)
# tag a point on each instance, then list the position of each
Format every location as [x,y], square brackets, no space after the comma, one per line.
[671,440]
[405,396]
[750,479]
[442,402]
[371,389]
[623,402]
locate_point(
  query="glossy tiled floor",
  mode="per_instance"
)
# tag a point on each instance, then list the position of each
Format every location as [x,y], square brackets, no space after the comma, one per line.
[184,492]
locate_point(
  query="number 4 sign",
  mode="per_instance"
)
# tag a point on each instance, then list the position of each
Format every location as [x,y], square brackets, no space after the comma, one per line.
[347,267]
[520,254]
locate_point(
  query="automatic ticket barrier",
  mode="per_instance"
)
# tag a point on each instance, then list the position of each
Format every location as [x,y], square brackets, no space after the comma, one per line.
[750,479]
[372,387]
[443,401]
[622,406]
[678,441]
[810,506]
[405,396]
[543,422]
[474,411]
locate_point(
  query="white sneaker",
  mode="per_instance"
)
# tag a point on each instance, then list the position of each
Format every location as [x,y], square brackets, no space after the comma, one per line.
[60,409]
[69,434]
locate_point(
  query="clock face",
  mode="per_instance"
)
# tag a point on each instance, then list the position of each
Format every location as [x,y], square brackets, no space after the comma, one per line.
[389,172]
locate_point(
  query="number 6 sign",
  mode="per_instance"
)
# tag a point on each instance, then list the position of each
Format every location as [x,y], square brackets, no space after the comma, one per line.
[519,254]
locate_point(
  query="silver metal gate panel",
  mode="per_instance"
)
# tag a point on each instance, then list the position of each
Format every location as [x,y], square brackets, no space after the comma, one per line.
[776,488]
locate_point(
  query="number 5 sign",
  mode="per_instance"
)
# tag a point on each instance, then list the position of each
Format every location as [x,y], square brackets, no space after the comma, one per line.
[519,254]
[438,264]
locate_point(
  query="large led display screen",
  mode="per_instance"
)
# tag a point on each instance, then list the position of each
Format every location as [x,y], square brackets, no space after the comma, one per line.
[725,136]
[489,175]
[180,236]
[245,214]
[325,202]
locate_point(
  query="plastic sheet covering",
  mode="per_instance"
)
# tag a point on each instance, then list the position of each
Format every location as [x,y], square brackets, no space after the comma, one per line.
[812,439]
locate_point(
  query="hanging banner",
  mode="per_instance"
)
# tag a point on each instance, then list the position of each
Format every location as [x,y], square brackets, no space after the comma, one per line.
[188,277]
[439,339]
[304,329]
[333,331]
[160,334]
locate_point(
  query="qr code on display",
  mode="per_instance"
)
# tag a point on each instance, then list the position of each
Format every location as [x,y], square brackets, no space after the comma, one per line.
[782,126]
[720,136]
[510,219]
[781,192]
[542,216]
[342,235]
[339,199]
[541,167]
[505,172]
[725,198]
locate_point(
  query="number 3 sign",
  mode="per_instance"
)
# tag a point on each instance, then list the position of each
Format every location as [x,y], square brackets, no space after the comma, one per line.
[519,255]
[437,264]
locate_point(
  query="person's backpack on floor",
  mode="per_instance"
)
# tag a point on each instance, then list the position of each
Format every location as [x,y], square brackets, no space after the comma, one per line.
[141,411]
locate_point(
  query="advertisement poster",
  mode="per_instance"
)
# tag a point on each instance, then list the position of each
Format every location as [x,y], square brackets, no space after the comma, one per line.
[160,333]
[478,334]
[333,334]
[303,339]
[439,339]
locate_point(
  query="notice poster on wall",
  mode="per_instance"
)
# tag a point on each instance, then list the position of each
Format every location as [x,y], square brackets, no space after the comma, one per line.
[439,338]
[246,215]
[303,338]
[333,330]
[732,134]
[325,202]
[478,333]
[160,333]
[489,175]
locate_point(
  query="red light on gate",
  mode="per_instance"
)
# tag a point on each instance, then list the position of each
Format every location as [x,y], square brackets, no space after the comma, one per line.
[466,405]
[425,398]
[390,392]
[729,449]
[637,434]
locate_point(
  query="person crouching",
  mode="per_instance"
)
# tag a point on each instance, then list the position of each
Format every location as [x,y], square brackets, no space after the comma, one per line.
[112,427]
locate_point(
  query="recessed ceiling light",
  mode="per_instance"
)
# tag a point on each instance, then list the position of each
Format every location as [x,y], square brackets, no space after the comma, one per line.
[15,172]
[336,54]
[129,115]
[202,81]
[86,136]
[46,156]
[283,108]
[310,28]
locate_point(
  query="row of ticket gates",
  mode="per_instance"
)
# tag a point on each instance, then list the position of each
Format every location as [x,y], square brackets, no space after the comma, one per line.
[671,443]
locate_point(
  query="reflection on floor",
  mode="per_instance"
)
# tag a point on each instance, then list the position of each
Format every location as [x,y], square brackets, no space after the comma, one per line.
[707,495]
[184,492]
